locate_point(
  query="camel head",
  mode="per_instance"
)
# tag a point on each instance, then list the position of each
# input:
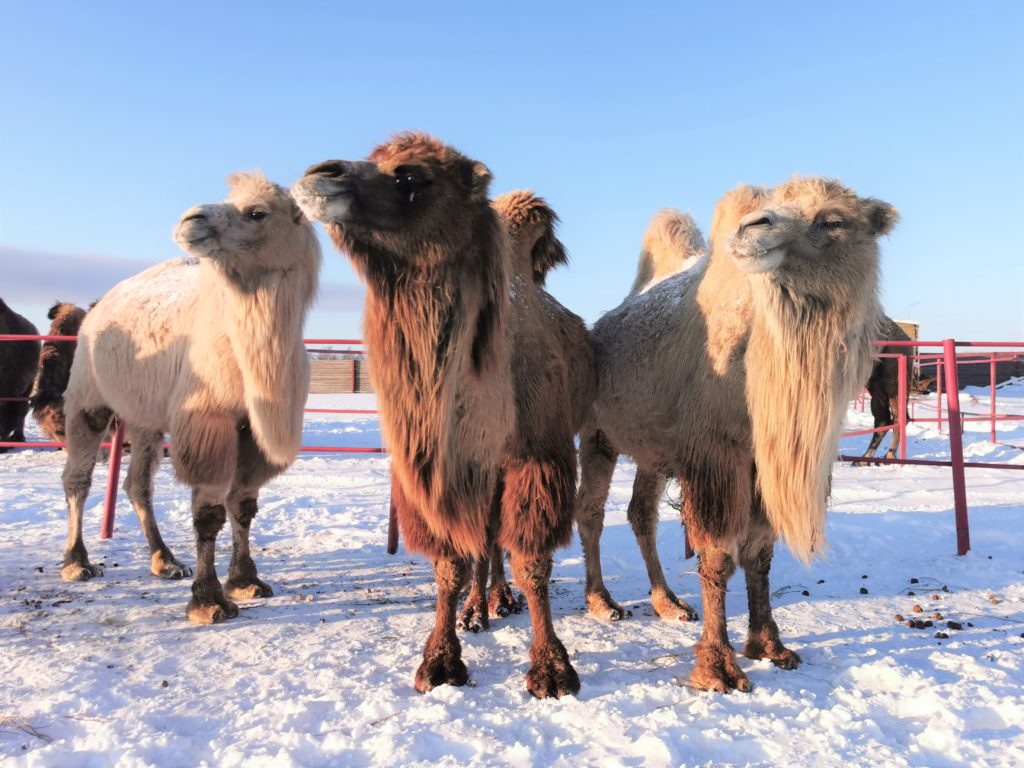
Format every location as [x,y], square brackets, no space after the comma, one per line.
[414,198]
[811,232]
[258,229]
[531,223]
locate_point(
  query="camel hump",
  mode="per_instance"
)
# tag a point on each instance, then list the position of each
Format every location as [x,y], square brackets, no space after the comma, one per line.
[531,222]
[672,243]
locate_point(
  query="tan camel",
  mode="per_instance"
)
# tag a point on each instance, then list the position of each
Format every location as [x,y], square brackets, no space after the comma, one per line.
[209,350]
[467,439]
[734,379]
[47,399]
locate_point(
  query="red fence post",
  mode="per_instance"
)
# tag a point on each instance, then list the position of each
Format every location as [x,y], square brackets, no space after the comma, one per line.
[938,393]
[956,449]
[992,394]
[392,521]
[901,411]
[116,442]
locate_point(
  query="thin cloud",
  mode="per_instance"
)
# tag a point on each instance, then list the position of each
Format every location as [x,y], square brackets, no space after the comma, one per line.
[339,297]
[31,276]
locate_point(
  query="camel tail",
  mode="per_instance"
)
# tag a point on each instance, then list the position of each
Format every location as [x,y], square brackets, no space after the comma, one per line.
[672,244]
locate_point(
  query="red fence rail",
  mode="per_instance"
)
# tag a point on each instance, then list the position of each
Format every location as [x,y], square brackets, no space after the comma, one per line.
[949,361]
[946,364]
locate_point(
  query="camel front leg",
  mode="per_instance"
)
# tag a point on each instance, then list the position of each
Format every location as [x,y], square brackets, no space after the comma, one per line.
[551,673]
[643,518]
[442,656]
[243,582]
[756,560]
[208,604]
[716,511]
[716,668]
[597,464]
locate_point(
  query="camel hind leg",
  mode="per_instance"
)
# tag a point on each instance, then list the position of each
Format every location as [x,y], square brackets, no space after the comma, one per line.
[643,518]
[597,464]
[85,430]
[755,556]
[147,449]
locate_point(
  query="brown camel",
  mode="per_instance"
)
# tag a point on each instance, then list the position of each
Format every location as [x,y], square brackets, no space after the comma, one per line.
[47,399]
[475,445]
[884,388]
[547,338]
[208,349]
[18,360]
[734,379]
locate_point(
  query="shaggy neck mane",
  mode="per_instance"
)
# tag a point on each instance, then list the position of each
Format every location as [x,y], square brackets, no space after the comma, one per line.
[431,325]
[265,330]
[805,358]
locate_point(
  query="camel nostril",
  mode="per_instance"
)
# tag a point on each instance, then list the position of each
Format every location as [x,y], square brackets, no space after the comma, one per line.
[328,168]
[197,216]
[757,219]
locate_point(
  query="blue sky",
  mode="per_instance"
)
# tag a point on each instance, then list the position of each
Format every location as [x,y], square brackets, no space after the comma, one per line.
[116,117]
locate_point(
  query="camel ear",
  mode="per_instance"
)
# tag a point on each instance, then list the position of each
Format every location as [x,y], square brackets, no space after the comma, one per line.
[52,314]
[883,217]
[477,178]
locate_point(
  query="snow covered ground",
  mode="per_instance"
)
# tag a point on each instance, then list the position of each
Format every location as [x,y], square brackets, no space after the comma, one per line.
[110,672]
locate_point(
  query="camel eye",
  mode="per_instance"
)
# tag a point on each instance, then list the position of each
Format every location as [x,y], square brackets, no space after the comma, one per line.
[256,214]
[832,224]
[408,183]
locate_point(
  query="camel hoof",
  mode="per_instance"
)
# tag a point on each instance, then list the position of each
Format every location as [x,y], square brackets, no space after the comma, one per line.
[247,590]
[552,676]
[472,619]
[80,571]
[778,654]
[671,609]
[164,565]
[719,681]
[211,613]
[503,601]
[601,606]
[443,669]
[718,671]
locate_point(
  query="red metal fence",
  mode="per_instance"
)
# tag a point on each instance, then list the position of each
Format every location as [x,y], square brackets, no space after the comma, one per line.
[946,364]
[949,362]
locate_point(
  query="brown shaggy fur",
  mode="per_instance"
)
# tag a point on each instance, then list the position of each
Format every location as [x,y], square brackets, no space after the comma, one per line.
[884,388]
[481,444]
[18,360]
[733,379]
[552,363]
[208,349]
[47,399]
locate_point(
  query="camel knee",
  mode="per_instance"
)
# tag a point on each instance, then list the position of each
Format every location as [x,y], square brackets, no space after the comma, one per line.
[208,521]
[245,511]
